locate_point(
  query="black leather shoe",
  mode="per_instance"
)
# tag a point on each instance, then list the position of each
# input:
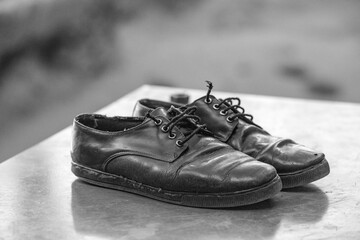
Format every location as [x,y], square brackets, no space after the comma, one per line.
[296,164]
[169,157]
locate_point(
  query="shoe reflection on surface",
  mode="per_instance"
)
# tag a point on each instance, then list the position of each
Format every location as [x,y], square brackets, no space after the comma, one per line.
[109,213]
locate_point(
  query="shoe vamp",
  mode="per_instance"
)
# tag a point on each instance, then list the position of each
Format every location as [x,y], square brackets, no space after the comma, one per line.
[212,166]
[284,154]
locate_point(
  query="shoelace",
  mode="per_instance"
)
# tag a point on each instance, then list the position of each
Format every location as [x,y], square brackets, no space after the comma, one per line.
[187,114]
[230,105]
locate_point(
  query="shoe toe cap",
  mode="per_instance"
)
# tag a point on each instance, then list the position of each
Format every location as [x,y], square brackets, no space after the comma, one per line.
[226,174]
[249,175]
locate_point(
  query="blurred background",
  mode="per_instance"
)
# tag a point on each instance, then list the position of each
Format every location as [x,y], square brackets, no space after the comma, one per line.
[59,58]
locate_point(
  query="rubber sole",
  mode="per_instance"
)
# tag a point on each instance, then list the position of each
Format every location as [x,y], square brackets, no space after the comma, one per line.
[300,178]
[202,200]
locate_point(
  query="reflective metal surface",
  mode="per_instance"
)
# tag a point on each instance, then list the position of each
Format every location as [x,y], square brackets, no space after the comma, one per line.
[41,199]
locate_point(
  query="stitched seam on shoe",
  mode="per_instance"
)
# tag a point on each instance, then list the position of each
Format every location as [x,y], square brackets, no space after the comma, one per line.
[133,153]
[264,149]
[187,163]
[121,132]
[235,165]
[84,127]
[174,192]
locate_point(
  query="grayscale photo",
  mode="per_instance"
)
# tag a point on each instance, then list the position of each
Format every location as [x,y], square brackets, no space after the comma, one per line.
[180,119]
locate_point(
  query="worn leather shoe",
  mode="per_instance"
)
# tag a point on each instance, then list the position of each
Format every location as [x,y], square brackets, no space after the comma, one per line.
[296,164]
[169,157]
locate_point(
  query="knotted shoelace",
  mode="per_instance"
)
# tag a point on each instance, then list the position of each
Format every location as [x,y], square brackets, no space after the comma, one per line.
[237,109]
[182,115]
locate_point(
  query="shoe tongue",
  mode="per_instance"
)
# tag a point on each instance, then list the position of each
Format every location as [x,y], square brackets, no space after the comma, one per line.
[215,100]
[170,113]
[161,112]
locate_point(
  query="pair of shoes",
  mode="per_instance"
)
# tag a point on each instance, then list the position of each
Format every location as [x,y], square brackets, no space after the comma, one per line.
[187,155]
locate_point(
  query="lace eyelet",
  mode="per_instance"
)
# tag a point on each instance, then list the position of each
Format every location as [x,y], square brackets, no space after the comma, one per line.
[164,128]
[172,135]
[208,101]
[230,119]
[179,143]
[158,122]
[216,106]
[223,113]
